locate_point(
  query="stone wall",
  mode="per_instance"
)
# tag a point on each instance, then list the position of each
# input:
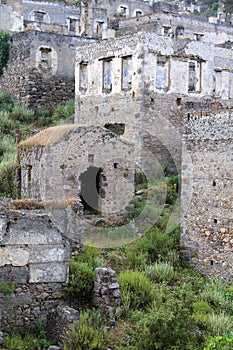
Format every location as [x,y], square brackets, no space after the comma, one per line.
[64,162]
[178,26]
[130,8]
[207,168]
[34,257]
[11,16]
[40,70]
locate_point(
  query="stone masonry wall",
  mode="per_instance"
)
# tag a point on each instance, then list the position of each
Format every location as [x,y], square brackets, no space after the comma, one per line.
[35,257]
[24,79]
[207,182]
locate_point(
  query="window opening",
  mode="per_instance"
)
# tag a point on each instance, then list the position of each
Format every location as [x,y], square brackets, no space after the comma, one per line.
[39,16]
[83,77]
[99,28]
[46,59]
[107,75]
[179,31]
[73,24]
[162,72]
[194,83]
[116,128]
[126,79]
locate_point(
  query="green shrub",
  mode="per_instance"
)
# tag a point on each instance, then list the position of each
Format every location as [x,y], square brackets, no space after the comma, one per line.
[90,256]
[168,324]
[83,335]
[44,117]
[136,285]
[220,342]
[157,244]
[63,112]
[7,125]
[216,293]
[81,282]
[219,324]
[160,272]
[6,103]
[7,288]
[22,114]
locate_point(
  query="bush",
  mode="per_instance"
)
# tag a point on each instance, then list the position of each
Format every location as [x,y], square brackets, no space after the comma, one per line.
[7,288]
[224,342]
[22,114]
[83,335]
[136,288]
[81,282]
[63,112]
[160,272]
[91,257]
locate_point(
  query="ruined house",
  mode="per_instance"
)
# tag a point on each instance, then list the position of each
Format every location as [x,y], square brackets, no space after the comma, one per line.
[166,92]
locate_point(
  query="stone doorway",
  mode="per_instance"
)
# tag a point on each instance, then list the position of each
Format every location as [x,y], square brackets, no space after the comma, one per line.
[90,188]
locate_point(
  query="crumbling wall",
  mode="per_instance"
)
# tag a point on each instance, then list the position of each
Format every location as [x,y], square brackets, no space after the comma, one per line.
[34,258]
[37,74]
[207,178]
[11,16]
[178,26]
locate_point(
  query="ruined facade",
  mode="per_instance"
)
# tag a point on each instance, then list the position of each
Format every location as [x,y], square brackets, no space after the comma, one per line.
[166,93]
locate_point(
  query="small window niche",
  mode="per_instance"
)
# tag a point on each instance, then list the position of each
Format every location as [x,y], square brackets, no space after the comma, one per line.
[73,25]
[39,16]
[198,36]
[138,13]
[179,32]
[83,77]
[123,11]
[107,75]
[194,76]
[167,31]
[218,82]
[45,58]
[162,73]
[99,28]
[126,78]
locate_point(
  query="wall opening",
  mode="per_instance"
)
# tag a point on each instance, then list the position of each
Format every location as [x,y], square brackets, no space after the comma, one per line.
[126,77]
[194,76]
[162,73]
[29,179]
[116,128]
[99,28]
[83,77]
[107,75]
[45,58]
[39,16]
[179,31]
[73,25]
[90,189]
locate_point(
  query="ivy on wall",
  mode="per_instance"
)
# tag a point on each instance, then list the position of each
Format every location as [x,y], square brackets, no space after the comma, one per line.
[3,50]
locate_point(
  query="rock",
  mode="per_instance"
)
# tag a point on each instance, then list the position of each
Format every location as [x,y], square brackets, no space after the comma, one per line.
[54,347]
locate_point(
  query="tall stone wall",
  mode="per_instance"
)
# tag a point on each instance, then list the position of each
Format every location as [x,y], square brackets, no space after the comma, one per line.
[34,258]
[207,179]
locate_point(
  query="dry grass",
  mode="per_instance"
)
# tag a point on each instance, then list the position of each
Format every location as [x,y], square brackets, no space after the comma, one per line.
[29,204]
[47,136]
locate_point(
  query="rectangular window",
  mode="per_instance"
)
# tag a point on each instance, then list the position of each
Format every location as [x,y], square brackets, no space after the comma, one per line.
[46,58]
[218,83]
[194,83]
[162,73]
[107,75]
[99,28]
[73,24]
[126,79]
[83,77]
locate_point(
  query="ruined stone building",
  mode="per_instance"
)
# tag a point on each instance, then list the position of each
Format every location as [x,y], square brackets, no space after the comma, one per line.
[160,93]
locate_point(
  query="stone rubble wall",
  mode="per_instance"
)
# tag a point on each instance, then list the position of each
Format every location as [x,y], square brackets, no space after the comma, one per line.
[34,257]
[106,293]
[26,83]
[207,182]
